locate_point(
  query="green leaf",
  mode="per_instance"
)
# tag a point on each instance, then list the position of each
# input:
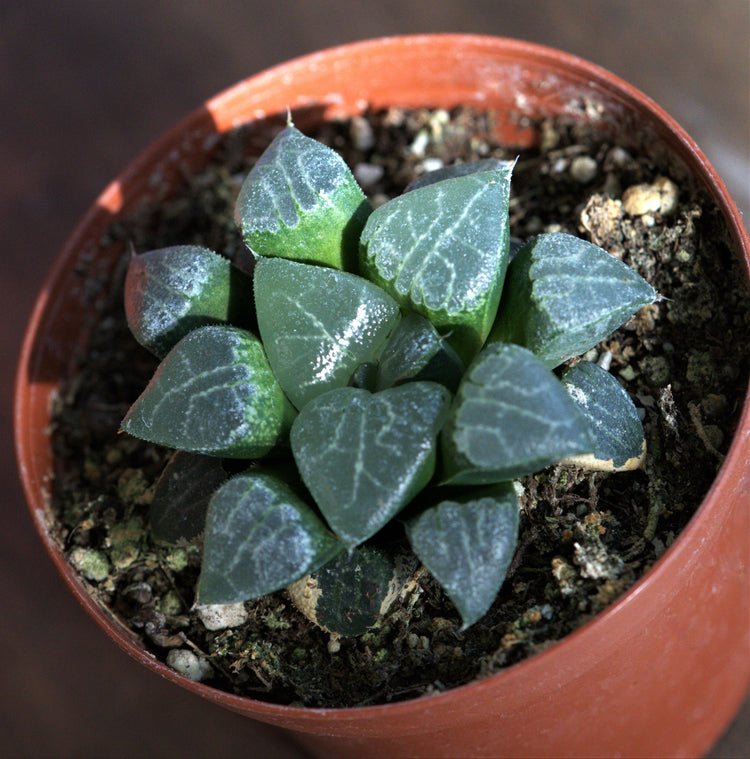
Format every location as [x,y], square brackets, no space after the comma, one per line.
[563,295]
[416,351]
[214,393]
[619,443]
[260,537]
[511,416]
[172,291]
[459,170]
[442,251]
[350,593]
[364,456]
[181,496]
[319,324]
[467,543]
[301,201]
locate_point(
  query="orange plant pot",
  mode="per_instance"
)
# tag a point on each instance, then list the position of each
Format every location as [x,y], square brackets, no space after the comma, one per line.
[662,670]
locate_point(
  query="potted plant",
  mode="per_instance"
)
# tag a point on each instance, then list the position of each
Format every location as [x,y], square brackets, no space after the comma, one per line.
[607,688]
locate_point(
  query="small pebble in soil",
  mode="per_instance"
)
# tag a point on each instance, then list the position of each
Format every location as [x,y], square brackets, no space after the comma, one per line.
[222,616]
[431,164]
[617,157]
[583,168]
[605,360]
[595,562]
[93,565]
[188,664]
[362,134]
[368,174]
[645,199]
[170,604]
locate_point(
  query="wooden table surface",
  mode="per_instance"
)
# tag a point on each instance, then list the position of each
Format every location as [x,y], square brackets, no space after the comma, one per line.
[85,86]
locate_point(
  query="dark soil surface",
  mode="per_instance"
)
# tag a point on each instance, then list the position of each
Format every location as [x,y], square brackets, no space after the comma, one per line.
[585,537]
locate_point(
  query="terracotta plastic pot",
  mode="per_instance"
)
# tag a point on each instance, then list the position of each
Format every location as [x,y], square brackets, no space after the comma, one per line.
[659,673]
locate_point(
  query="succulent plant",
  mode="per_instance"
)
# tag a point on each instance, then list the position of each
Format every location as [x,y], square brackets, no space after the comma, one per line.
[404,375]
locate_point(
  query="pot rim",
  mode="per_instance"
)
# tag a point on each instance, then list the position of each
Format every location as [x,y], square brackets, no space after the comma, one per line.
[542,56]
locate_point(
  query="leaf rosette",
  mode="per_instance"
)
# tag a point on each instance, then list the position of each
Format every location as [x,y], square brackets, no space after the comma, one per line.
[401,381]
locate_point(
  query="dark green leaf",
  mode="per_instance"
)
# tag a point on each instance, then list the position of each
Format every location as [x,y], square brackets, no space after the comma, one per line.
[181,496]
[260,537]
[442,251]
[563,295]
[214,393]
[319,324]
[416,351]
[617,431]
[364,456]
[350,593]
[467,544]
[301,201]
[511,416]
[171,291]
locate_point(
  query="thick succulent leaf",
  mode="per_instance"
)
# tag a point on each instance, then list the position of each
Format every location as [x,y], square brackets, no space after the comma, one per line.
[511,416]
[467,543]
[171,291]
[442,251]
[563,295]
[214,393]
[364,456]
[260,537]
[301,201]
[350,593]
[416,351]
[459,170]
[181,496]
[619,443]
[319,324]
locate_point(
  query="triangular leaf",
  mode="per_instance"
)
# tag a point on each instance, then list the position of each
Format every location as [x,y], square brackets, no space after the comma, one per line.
[214,393]
[172,291]
[364,456]
[319,324]
[563,295]
[181,496]
[619,443]
[260,537]
[442,251]
[511,416]
[416,351]
[301,201]
[467,543]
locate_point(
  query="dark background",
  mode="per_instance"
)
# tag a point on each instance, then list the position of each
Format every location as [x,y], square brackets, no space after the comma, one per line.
[86,85]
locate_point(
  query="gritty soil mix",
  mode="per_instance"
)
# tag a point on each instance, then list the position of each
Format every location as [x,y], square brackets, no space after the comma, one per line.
[585,538]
